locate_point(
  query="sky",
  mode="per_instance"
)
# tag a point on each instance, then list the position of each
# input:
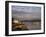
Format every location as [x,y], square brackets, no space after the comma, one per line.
[26,12]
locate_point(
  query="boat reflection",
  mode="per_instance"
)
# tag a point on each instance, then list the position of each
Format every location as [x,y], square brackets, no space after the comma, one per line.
[18,25]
